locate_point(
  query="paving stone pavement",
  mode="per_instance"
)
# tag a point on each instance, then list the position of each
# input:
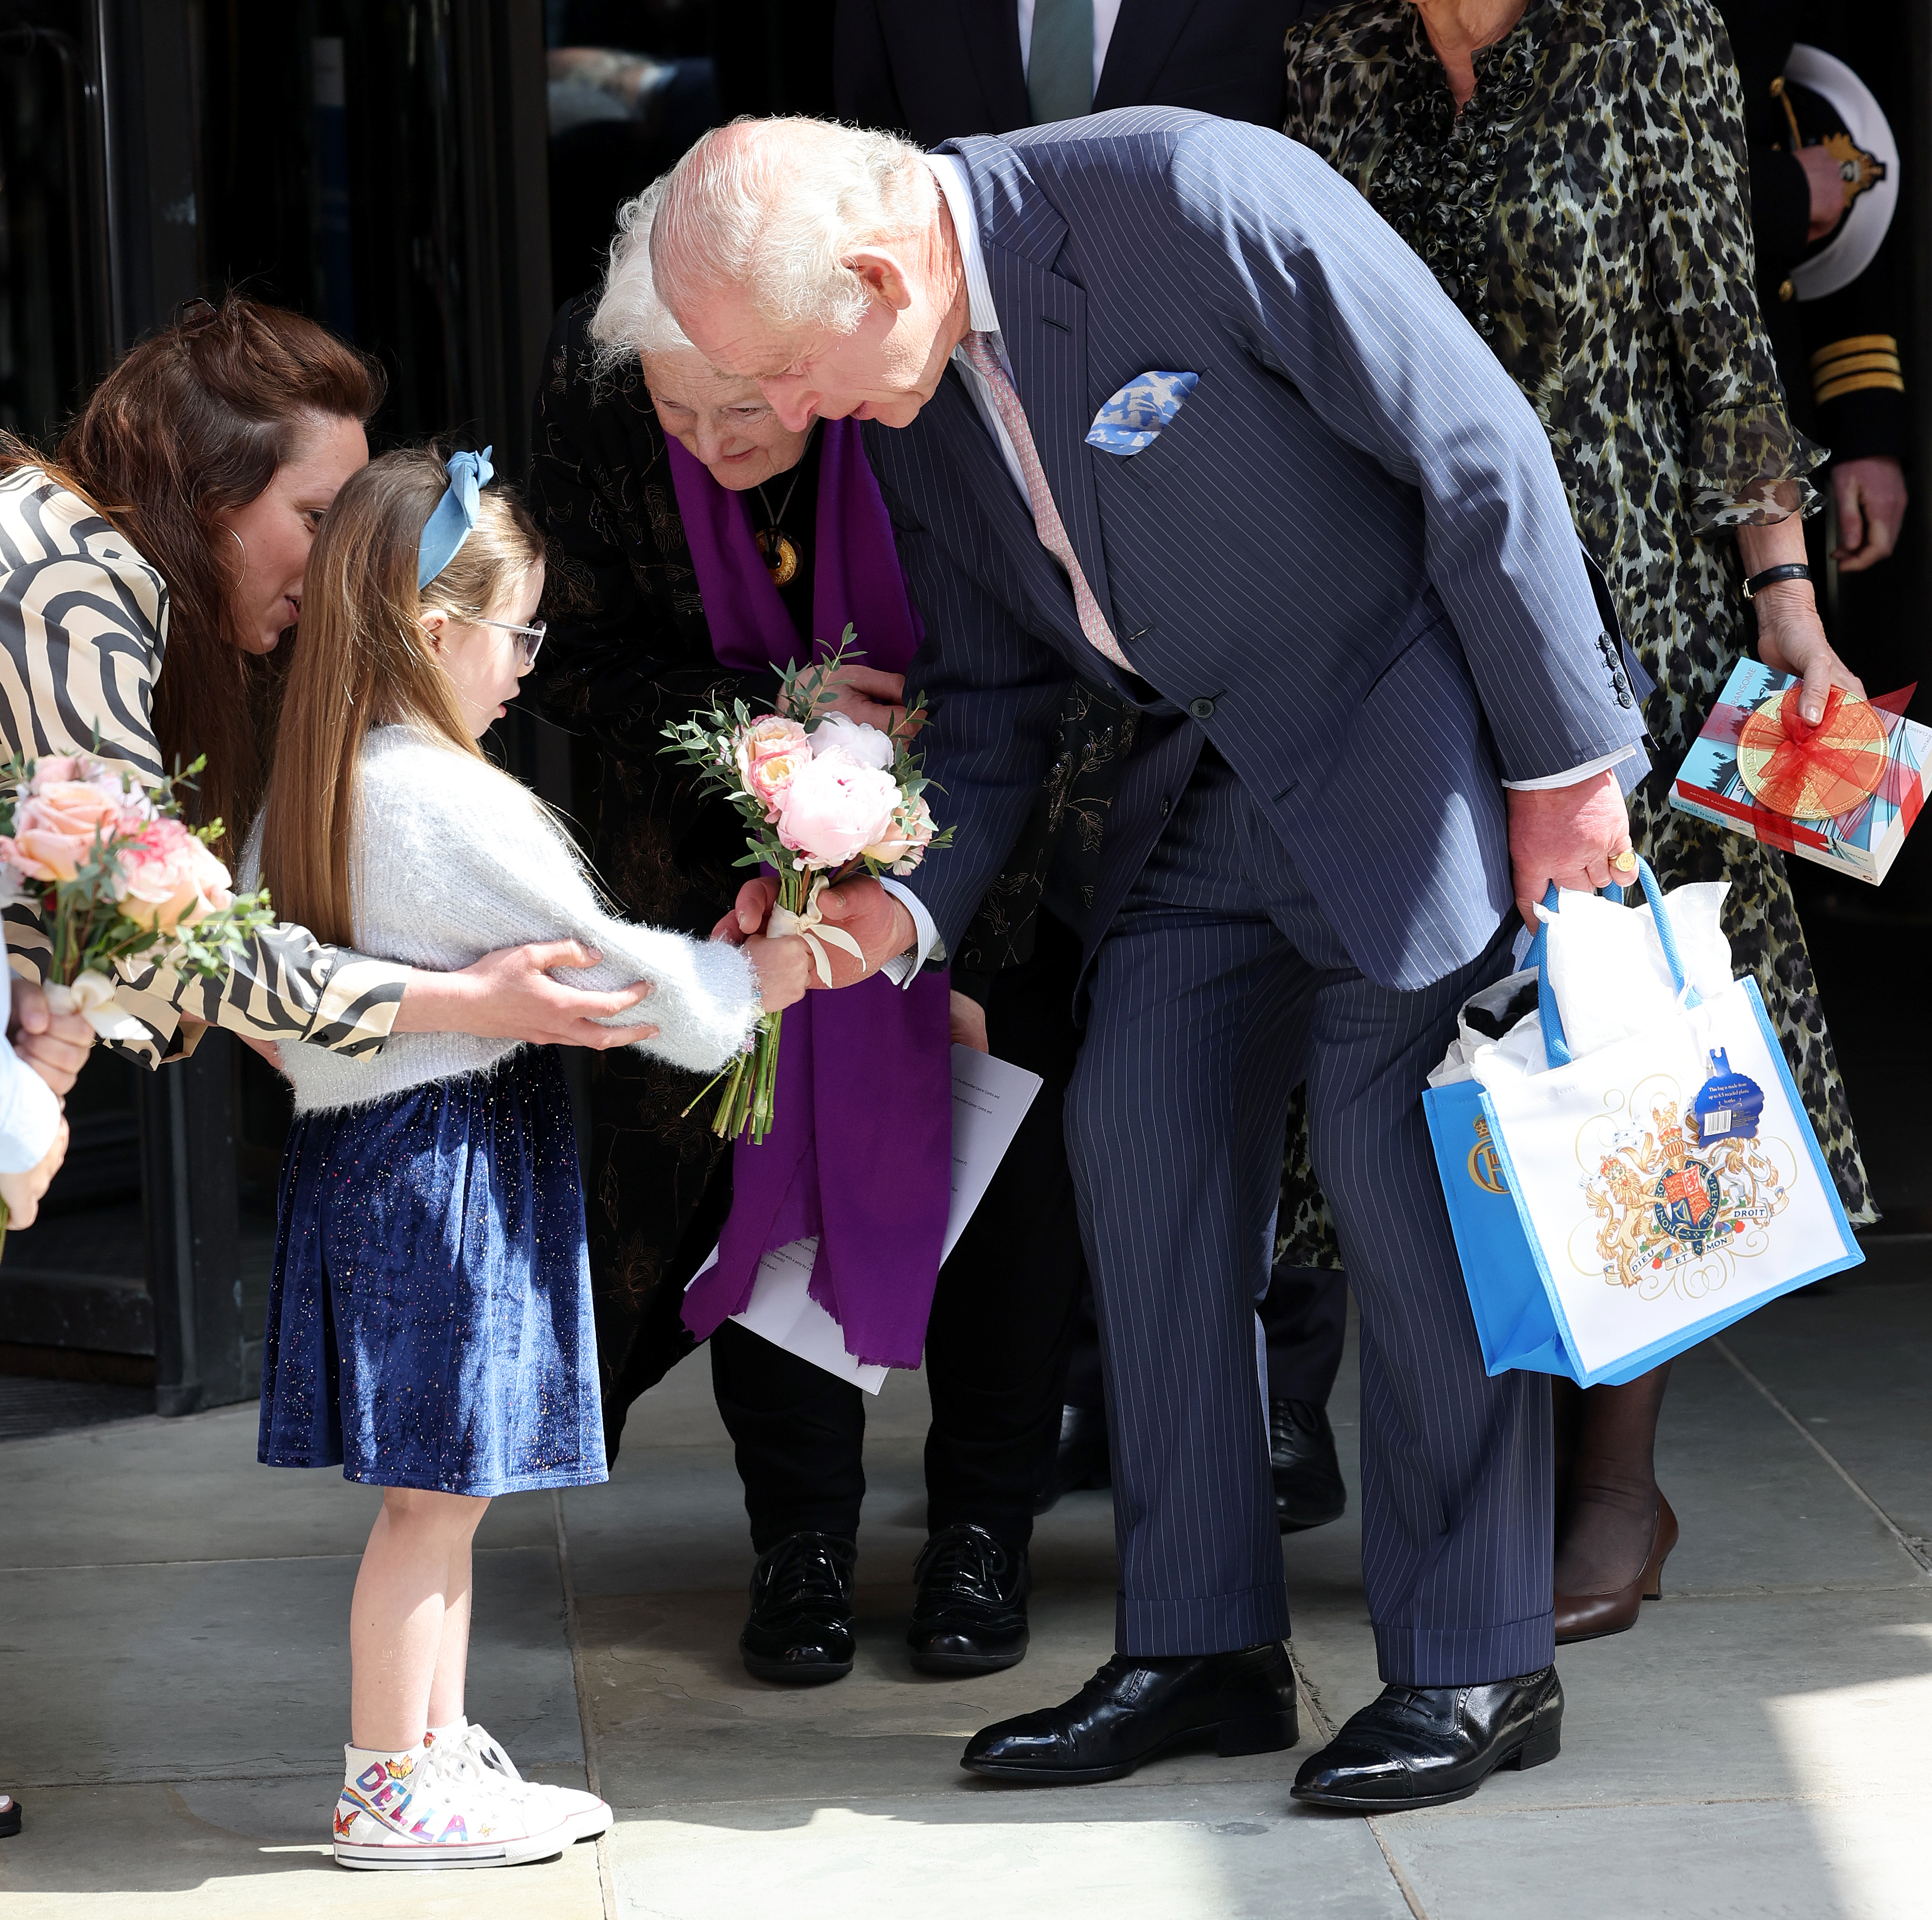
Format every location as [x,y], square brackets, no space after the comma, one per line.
[172,1628]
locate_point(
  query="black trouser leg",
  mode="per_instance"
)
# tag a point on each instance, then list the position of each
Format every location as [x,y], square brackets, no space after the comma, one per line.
[1083,1388]
[1304,1314]
[1305,1318]
[1003,1316]
[799,1434]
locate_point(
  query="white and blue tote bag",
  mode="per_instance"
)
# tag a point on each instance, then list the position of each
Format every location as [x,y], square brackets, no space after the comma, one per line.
[1664,1184]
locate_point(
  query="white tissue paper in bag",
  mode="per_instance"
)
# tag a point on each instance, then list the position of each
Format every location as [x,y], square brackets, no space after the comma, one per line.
[1606,964]
[1522,1044]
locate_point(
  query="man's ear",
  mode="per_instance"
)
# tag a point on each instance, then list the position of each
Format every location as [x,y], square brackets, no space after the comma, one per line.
[883,275]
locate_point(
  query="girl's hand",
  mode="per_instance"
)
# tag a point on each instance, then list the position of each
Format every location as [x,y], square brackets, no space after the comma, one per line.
[749,912]
[22,1191]
[783,968]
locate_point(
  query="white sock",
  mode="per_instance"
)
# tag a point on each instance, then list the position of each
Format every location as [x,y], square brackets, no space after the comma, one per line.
[444,1736]
[357,1761]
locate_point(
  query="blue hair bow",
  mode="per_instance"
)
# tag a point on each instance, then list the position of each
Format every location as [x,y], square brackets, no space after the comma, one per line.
[446,530]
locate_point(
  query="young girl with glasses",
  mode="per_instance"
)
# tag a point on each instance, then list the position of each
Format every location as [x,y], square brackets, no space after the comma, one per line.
[430,1323]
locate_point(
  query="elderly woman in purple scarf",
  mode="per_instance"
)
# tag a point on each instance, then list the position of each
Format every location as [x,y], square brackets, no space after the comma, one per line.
[695,546]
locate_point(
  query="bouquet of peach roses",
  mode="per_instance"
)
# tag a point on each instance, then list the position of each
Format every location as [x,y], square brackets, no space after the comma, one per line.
[822,797]
[117,876]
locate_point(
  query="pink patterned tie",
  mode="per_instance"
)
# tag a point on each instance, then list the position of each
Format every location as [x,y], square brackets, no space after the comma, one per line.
[978,348]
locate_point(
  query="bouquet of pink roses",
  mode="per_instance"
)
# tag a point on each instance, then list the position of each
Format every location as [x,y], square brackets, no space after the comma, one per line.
[822,797]
[117,876]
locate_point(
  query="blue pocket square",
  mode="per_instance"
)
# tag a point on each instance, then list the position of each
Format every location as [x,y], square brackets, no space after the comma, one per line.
[1131,419]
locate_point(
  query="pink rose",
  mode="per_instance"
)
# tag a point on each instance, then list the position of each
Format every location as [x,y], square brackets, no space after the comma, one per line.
[169,878]
[905,841]
[56,769]
[763,738]
[834,808]
[55,827]
[772,774]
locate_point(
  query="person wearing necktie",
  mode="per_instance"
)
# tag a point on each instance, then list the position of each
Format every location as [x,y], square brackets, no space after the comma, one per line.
[1155,388]
[933,69]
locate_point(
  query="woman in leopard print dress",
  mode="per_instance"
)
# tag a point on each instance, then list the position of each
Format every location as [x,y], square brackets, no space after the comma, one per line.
[1577,185]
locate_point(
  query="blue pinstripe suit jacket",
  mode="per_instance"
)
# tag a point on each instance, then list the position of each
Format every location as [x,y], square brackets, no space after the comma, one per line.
[1352,540]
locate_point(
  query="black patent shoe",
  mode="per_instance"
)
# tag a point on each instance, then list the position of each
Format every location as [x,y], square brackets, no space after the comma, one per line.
[1426,1746]
[1138,1706]
[970,1614]
[1308,1488]
[800,1631]
[1081,1460]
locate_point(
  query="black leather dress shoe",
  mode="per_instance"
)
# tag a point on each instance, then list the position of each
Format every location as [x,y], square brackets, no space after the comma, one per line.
[1426,1746]
[1081,1460]
[800,1631]
[1136,1707]
[1308,1488]
[969,1616]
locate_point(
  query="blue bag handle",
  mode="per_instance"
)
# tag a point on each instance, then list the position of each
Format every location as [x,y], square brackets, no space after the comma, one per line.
[1555,1046]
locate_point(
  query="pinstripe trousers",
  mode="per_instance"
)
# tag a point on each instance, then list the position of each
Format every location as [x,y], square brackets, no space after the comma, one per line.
[1218,985]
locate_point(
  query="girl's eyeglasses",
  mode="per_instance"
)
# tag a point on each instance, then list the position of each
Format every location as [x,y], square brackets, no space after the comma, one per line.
[529,639]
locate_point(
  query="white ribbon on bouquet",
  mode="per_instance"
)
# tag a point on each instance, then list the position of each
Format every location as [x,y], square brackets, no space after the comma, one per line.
[91,996]
[811,928]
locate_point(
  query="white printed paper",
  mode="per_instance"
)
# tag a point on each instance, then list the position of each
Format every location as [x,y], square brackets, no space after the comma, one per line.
[990,1099]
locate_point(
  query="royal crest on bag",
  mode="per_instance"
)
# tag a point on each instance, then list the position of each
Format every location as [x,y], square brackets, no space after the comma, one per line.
[1673,1213]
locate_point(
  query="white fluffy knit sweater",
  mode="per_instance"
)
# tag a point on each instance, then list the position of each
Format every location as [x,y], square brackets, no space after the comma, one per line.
[451,859]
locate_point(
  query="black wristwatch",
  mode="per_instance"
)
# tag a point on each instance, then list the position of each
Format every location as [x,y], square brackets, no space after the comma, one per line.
[1791,570]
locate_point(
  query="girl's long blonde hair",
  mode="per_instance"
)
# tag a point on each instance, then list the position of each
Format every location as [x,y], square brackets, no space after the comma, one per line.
[362,659]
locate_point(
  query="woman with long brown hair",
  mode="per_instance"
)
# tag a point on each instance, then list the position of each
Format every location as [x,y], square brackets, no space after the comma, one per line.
[147,571]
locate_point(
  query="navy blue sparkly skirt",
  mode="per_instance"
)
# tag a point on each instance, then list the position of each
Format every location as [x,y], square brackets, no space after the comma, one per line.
[429,1319]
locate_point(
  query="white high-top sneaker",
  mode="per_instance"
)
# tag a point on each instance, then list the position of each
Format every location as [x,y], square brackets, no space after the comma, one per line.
[585,1816]
[418,1810]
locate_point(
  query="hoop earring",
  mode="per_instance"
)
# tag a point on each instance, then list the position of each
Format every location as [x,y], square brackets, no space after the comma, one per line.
[237,538]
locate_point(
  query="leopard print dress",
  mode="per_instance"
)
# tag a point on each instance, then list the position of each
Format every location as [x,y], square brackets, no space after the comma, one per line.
[1589,211]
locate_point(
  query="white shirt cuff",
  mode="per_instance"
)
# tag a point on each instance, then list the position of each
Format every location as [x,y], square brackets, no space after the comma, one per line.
[904,968]
[1574,775]
[30,1113]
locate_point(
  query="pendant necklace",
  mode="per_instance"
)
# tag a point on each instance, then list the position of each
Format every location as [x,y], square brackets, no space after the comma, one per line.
[774,547]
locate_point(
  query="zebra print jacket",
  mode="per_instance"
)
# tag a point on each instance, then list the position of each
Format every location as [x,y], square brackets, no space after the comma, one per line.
[83,627]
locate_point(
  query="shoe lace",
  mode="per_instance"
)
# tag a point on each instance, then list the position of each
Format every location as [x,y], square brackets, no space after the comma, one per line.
[487,1751]
[808,1569]
[966,1557]
[457,1764]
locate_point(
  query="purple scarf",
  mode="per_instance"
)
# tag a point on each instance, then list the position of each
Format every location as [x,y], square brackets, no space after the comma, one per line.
[860,1151]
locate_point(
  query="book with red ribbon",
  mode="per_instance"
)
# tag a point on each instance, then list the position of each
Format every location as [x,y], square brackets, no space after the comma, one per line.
[1843,793]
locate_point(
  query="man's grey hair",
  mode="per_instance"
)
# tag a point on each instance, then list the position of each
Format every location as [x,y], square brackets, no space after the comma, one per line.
[630,321]
[773,209]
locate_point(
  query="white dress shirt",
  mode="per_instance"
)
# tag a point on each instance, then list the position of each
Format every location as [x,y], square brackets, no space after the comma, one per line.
[1105,12]
[950,171]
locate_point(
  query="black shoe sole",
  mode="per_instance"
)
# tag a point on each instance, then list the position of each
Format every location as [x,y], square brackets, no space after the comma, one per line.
[9,1822]
[964,1666]
[1265,1733]
[1535,1751]
[792,1672]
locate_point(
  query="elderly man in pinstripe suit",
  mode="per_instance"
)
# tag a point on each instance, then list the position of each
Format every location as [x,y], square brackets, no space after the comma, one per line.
[1336,570]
